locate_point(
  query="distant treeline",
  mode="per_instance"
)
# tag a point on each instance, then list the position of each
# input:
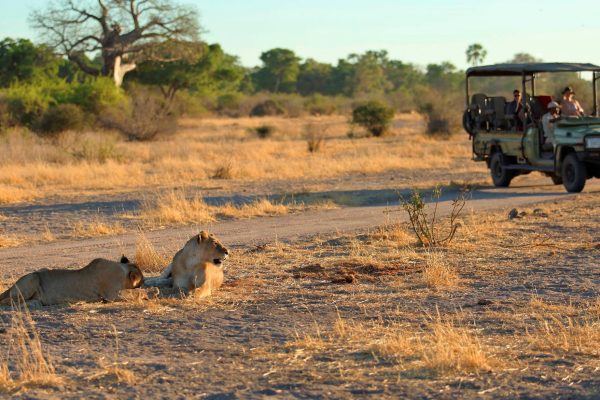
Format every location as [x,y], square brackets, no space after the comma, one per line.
[34,80]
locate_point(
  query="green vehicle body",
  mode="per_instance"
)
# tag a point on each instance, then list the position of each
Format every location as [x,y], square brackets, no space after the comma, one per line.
[509,152]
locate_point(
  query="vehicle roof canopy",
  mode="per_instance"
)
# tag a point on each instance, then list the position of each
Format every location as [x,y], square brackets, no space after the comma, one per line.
[529,69]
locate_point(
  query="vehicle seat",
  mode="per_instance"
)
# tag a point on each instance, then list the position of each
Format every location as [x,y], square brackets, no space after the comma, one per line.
[544,101]
[496,111]
[478,110]
[536,109]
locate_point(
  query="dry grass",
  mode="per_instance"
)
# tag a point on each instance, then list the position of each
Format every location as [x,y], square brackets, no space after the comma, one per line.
[96,227]
[10,240]
[440,348]
[450,348]
[33,168]
[258,208]
[557,334]
[147,258]
[174,207]
[437,273]
[26,356]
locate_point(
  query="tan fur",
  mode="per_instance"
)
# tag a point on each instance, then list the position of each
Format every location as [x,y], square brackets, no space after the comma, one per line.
[198,265]
[99,280]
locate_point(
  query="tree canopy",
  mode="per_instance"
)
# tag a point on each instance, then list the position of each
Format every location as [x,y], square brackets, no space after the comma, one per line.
[120,30]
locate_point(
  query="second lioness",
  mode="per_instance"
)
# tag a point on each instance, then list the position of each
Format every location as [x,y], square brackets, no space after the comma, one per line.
[197,267]
[99,280]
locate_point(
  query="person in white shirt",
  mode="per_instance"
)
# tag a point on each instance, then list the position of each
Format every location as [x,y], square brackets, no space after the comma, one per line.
[548,121]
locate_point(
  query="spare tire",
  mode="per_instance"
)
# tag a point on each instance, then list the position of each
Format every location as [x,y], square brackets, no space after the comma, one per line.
[468,123]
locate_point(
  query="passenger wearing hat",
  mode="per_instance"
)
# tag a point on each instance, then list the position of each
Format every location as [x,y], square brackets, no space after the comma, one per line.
[548,121]
[570,106]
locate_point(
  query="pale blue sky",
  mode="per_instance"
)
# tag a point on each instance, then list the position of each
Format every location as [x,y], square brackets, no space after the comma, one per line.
[421,32]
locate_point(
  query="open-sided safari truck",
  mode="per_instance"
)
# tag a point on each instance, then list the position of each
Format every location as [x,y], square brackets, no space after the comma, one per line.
[512,149]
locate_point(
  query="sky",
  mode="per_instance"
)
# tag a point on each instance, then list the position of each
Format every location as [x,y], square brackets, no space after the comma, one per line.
[417,31]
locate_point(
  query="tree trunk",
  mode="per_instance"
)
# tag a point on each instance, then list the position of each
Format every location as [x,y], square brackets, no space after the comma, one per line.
[119,70]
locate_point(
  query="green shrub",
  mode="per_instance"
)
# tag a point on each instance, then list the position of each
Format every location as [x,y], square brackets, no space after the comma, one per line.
[27,103]
[97,94]
[60,118]
[267,108]
[230,104]
[320,105]
[374,116]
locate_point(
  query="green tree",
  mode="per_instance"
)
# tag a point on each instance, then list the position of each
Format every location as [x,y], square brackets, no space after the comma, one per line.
[204,68]
[523,58]
[314,77]
[476,54]
[22,61]
[123,31]
[279,72]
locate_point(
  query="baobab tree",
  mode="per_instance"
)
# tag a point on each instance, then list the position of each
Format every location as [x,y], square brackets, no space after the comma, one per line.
[122,31]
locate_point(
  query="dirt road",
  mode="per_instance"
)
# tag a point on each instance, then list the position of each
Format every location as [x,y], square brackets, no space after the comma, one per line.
[15,261]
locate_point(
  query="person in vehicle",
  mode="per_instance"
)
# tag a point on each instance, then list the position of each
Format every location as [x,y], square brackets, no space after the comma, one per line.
[570,106]
[514,109]
[548,121]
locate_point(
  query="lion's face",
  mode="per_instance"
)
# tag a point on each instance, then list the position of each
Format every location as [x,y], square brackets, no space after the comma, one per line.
[209,249]
[135,278]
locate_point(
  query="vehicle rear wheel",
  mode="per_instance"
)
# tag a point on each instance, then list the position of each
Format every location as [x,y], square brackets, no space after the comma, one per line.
[557,180]
[573,173]
[500,176]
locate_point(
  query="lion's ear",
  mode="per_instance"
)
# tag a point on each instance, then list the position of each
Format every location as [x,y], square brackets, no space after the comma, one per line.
[124,260]
[202,236]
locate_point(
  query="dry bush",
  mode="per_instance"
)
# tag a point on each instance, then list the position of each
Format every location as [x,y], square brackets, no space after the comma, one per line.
[437,273]
[394,233]
[25,363]
[264,131]
[147,117]
[223,171]
[427,227]
[315,136]
[174,207]
[147,258]
[96,227]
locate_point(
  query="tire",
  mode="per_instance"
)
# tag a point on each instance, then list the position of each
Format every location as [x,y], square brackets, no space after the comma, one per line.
[500,176]
[468,123]
[573,173]
[557,180]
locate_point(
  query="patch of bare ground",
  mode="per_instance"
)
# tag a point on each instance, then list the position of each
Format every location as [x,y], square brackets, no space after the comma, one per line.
[508,309]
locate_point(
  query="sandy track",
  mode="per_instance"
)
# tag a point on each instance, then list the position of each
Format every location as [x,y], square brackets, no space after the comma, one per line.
[261,230]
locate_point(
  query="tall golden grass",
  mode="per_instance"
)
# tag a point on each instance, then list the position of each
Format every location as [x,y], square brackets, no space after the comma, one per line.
[218,148]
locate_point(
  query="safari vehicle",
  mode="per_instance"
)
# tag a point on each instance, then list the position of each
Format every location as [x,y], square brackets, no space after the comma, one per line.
[511,150]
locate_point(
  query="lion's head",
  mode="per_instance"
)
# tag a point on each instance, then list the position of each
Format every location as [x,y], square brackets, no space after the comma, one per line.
[207,248]
[135,278]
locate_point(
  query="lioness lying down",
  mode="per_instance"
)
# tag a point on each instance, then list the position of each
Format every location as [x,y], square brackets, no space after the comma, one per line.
[99,280]
[197,267]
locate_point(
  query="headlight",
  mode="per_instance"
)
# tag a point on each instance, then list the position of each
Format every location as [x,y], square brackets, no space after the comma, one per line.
[592,142]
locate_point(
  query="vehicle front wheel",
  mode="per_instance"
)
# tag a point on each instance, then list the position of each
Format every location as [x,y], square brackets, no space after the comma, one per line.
[500,176]
[573,173]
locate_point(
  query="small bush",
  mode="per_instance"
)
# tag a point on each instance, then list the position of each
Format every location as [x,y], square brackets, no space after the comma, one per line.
[374,116]
[60,118]
[223,171]
[320,105]
[267,108]
[230,104]
[146,118]
[264,131]
[315,136]
[27,103]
